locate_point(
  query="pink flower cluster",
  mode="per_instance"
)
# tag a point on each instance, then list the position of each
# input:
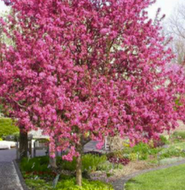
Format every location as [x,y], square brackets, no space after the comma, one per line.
[84,70]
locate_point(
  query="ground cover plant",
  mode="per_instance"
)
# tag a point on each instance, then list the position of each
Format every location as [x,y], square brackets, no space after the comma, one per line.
[67,184]
[164,179]
[39,176]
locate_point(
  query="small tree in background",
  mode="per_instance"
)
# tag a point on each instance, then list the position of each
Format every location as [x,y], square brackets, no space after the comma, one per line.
[81,70]
[175,27]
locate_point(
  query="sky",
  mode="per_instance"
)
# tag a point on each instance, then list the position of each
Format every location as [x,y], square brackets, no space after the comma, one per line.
[167,7]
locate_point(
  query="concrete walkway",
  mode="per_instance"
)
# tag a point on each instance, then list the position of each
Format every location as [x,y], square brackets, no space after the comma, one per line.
[9,179]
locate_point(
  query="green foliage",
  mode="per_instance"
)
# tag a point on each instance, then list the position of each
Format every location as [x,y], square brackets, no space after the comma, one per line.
[86,185]
[172,152]
[37,164]
[164,140]
[89,162]
[179,134]
[133,156]
[178,102]
[38,184]
[107,166]
[143,150]
[67,184]
[140,151]
[7,127]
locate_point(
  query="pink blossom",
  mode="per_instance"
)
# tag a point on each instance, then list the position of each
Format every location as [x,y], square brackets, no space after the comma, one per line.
[81,72]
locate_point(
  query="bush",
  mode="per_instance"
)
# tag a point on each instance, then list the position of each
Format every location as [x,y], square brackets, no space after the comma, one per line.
[89,162]
[1,139]
[37,164]
[172,152]
[141,148]
[161,141]
[7,127]
[40,164]
[143,151]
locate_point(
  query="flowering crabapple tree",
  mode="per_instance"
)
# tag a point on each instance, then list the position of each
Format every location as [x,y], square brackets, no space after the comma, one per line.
[85,69]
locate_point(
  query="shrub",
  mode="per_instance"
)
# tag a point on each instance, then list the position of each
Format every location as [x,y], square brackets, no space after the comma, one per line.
[40,164]
[7,127]
[37,164]
[144,150]
[89,162]
[133,156]
[172,152]
[141,147]
[1,139]
[161,141]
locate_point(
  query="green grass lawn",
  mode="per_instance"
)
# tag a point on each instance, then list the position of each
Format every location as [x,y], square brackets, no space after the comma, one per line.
[172,178]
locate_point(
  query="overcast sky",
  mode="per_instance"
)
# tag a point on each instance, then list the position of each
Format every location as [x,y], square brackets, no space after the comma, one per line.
[167,7]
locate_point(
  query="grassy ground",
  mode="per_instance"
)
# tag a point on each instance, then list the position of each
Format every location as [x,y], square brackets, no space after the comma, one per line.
[164,179]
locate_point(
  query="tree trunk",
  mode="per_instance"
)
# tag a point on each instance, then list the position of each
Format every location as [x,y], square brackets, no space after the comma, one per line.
[79,166]
[53,163]
[23,144]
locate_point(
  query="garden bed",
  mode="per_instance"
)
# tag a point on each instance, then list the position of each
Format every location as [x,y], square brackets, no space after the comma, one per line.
[102,170]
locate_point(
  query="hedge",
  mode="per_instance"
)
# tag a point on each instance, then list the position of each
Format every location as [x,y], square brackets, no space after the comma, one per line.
[7,127]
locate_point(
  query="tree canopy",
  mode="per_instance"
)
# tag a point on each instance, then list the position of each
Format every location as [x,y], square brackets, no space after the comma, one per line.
[82,70]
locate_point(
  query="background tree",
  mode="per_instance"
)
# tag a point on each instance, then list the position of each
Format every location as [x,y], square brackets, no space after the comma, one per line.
[175,27]
[82,70]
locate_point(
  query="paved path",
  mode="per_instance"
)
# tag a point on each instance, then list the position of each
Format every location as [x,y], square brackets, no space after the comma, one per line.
[9,179]
[7,155]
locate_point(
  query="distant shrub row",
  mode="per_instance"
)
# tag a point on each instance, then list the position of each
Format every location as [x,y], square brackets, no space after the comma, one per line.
[7,127]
